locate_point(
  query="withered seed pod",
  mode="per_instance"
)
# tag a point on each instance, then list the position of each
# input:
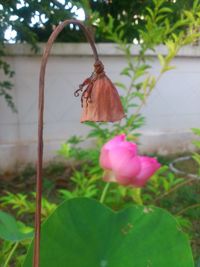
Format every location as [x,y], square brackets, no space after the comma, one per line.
[100,100]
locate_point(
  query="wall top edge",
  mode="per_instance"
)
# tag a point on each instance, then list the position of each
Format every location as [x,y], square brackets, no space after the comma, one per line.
[84,49]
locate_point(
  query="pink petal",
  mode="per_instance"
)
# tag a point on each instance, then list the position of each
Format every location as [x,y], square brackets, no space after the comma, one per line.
[111,176]
[130,146]
[119,159]
[104,159]
[123,180]
[124,162]
[148,167]
[115,141]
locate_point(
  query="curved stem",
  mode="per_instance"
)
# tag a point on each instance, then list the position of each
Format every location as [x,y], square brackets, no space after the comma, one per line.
[45,56]
[103,195]
[188,208]
[10,254]
[192,180]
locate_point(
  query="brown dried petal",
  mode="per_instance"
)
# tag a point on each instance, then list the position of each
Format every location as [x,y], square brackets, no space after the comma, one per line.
[105,104]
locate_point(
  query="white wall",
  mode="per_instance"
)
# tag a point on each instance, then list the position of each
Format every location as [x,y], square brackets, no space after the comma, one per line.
[172,109]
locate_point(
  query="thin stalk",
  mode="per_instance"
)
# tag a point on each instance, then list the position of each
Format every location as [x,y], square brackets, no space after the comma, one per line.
[103,195]
[188,208]
[175,188]
[58,29]
[137,196]
[10,254]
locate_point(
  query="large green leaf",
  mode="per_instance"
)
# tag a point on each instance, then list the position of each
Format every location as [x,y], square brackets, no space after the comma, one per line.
[84,233]
[11,230]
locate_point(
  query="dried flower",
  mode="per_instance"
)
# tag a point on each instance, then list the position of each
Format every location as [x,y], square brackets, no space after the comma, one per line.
[100,100]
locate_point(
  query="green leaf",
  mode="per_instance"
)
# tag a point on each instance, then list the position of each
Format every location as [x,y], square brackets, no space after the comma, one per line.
[196,131]
[150,11]
[189,15]
[125,72]
[121,85]
[84,233]
[161,59]
[167,68]
[139,95]
[64,150]
[139,72]
[153,82]
[196,143]
[75,139]
[160,18]
[179,24]
[145,83]
[196,157]
[165,10]
[11,230]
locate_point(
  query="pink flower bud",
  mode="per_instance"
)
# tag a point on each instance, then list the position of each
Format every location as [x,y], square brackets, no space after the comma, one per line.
[121,163]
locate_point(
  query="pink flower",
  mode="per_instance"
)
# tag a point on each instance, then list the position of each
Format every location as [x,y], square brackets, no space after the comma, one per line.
[121,163]
[148,167]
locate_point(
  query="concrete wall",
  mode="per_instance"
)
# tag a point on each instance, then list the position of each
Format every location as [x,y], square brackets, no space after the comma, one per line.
[172,110]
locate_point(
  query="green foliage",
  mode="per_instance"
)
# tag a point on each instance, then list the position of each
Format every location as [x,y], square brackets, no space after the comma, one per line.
[50,13]
[176,194]
[196,156]
[15,236]
[135,236]
[83,184]
[6,85]
[160,184]
[117,198]
[12,232]
[131,13]
[85,179]
[25,204]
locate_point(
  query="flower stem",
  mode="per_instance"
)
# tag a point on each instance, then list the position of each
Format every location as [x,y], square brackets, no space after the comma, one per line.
[10,254]
[52,38]
[137,196]
[103,195]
